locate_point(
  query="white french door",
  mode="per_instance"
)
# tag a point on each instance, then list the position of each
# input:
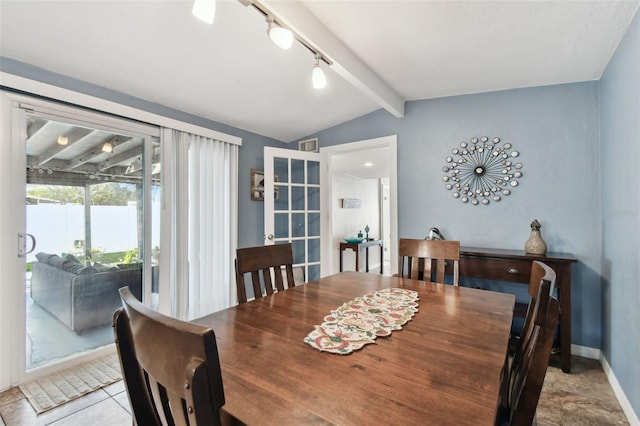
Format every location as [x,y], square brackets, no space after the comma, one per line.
[294,212]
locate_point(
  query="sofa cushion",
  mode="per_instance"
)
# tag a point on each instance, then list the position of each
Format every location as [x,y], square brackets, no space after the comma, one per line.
[58,262]
[74,268]
[44,257]
[87,270]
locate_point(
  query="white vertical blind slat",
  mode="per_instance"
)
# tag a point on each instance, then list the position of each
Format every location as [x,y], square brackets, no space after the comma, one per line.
[211,228]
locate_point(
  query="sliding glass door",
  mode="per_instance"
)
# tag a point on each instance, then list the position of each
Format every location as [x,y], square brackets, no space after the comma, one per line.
[92,191]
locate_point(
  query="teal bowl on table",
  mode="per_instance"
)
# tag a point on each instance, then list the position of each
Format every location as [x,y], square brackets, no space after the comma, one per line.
[354,240]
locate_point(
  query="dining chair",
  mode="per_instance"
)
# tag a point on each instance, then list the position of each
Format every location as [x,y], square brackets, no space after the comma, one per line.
[263,262]
[519,397]
[170,367]
[420,255]
[539,272]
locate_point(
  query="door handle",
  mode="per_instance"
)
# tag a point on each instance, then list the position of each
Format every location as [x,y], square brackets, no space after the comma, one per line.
[22,244]
[270,237]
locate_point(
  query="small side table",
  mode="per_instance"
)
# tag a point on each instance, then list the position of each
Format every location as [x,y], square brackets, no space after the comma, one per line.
[356,248]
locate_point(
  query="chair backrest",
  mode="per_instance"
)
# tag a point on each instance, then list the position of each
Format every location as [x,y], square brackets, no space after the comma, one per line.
[529,366]
[540,272]
[171,368]
[420,255]
[263,262]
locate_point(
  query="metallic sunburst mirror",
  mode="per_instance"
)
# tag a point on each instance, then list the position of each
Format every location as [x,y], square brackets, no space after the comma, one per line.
[482,170]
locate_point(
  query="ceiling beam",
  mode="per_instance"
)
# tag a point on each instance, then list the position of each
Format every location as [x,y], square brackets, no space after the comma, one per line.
[126,156]
[345,63]
[77,134]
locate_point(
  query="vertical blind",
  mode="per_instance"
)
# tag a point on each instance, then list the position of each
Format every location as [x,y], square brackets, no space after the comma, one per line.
[200,206]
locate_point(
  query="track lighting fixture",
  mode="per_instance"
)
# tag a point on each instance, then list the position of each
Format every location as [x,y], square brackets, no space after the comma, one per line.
[204,10]
[317,77]
[282,37]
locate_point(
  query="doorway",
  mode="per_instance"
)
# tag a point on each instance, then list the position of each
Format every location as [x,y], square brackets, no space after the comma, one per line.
[88,182]
[378,179]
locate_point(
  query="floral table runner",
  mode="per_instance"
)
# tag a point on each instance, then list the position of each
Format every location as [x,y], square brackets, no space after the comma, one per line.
[360,321]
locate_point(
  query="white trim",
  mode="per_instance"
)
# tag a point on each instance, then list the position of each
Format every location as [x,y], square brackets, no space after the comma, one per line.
[390,142]
[76,115]
[619,393]
[585,351]
[69,362]
[58,93]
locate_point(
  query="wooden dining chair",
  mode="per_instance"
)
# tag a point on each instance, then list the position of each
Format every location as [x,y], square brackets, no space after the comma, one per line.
[521,392]
[262,263]
[171,368]
[539,272]
[420,255]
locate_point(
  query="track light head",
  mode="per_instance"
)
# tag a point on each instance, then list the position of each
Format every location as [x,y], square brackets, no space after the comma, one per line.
[282,37]
[317,76]
[204,10]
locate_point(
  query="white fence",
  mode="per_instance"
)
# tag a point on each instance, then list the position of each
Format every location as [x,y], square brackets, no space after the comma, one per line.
[113,228]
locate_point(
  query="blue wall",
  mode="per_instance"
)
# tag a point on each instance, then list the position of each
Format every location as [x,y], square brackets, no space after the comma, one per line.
[620,164]
[251,229]
[554,128]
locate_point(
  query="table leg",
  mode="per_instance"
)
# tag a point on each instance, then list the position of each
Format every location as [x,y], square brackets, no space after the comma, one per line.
[366,257]
[381,257]
[357,250]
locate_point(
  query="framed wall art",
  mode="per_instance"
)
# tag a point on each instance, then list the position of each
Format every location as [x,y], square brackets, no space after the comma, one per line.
[257,185]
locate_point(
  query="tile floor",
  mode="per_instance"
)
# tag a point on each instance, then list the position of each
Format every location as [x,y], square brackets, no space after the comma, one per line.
[108,406]
[581,398]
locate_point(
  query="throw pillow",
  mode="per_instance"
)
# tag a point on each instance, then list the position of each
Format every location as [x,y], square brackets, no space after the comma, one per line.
[71,258]
[74,268]
[44,257]
[56,261]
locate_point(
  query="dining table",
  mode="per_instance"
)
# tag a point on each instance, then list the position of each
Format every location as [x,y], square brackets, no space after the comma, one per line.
[442,366]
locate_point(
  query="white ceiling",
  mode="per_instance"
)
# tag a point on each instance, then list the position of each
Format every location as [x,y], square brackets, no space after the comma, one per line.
[383,52]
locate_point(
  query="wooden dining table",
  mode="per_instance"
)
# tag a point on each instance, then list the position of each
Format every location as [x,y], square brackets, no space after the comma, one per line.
[443,367]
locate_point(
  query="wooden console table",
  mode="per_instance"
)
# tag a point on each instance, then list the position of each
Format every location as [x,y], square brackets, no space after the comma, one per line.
[356,248]
[515,266]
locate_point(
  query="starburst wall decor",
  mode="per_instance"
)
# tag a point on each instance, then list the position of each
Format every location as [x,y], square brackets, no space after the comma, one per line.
[482,171]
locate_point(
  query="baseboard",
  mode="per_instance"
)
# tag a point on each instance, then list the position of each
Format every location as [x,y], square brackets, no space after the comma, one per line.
[594,353]
[585,352]
[619,393]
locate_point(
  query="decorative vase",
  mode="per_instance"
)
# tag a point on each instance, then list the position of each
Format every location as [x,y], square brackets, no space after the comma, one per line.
[535,244]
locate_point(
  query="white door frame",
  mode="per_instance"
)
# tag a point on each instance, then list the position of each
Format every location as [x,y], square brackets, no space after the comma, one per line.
[389,142]
[15,108]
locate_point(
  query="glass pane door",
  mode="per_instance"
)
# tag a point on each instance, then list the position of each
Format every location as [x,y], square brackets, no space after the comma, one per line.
[293,214]
[85,206]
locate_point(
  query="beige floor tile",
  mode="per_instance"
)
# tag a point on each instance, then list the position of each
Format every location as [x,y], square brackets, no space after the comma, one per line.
[72,407]
[19,412]
[11,395]
[123,400]
[115,388]
[104,413]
